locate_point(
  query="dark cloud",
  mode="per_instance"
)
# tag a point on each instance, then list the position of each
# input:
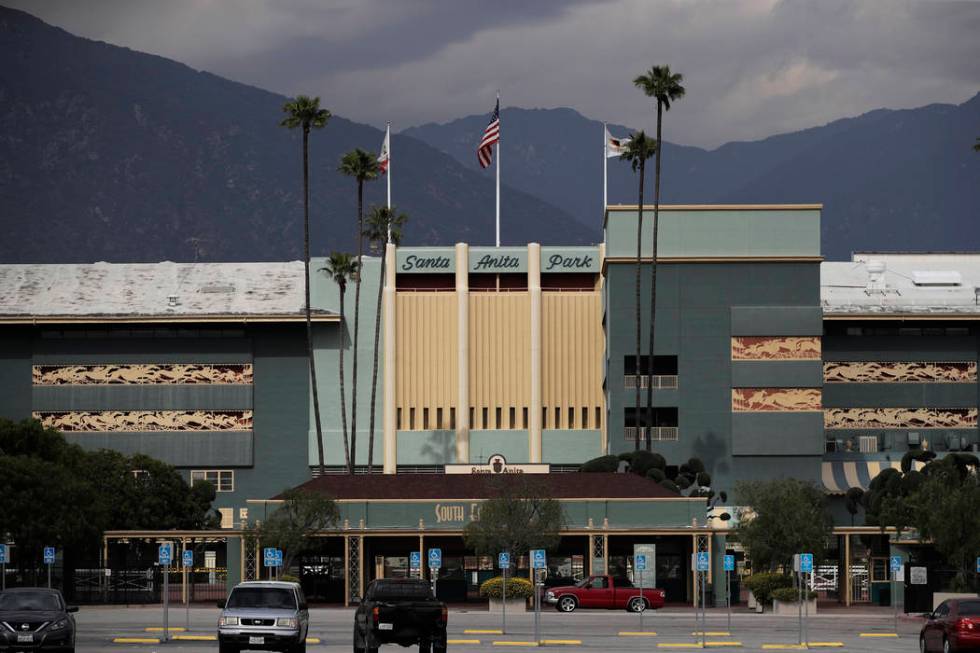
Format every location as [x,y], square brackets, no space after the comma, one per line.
[752,68]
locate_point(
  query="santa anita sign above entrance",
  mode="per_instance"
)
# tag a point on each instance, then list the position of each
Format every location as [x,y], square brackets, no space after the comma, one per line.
[497,464]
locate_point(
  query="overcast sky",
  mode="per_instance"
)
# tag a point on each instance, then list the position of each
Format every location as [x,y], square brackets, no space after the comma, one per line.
[752,68]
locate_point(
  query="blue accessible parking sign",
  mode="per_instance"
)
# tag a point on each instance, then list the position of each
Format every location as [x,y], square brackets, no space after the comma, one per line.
[896,563]
[435,558]
[269,556]
[49,555]
[729,562]
[641,562]
[3,554]
[538,559]
[188,558]
[703,561]
[164,554]
[415,560]
[503,560]
[806,563]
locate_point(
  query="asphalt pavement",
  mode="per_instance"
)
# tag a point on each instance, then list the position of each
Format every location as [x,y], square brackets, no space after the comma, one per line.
[99,628]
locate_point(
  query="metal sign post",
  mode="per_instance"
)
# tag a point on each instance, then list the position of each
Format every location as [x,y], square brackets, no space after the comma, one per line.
[49,561]
[3,567]
[269,559]
[806,571]
[503,561]
[702,563]
[896,567]
[188,559]
[164,556]
[641,565]
[539,562]
[435,564]
[729,568]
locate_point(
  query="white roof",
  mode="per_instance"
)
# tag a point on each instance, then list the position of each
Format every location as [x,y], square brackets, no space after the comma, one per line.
[165,291]
[902,284]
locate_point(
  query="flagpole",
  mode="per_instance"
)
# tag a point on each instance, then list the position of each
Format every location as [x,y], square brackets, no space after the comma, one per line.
[605,170]
[498,175]
[388,173]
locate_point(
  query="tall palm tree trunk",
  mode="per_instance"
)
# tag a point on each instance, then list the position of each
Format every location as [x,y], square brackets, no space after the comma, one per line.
[374,371]
[357,323]
[653,269]
[639,231]
[306,285]
[343,393]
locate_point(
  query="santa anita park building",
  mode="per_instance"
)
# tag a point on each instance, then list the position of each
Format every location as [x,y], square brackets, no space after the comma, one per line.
[769,363]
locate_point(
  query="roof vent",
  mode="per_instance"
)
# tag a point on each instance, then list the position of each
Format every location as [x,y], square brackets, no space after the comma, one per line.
[876,274]
[937,278]
[172,300]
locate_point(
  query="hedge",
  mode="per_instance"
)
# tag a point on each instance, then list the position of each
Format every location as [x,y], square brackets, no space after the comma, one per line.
[763,585]
[517,588]
[791,595]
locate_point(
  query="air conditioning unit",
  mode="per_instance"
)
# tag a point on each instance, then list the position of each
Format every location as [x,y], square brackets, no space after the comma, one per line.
[868,444]
[914,440]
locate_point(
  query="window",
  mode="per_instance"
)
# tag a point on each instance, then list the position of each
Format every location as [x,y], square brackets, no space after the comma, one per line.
[571,417]
[513,417]
[598,417]
[223,480]
[524,419]
[411,419]
[227,517]
[452,418]
[498,423]
[398,420]
[425,419]
[544,418]
[439,423]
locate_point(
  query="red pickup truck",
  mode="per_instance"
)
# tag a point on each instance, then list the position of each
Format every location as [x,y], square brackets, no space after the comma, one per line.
[611,593]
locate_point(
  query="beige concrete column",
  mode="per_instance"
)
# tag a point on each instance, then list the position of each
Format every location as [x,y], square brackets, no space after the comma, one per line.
[534,292]
[463,351]
[388,397]
[604,431]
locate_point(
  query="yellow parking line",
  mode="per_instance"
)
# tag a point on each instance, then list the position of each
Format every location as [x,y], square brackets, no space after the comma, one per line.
[715,633]
[513,643]
[677,645]
[312,640]
[136,640]
[491,631]
[462,641]
[825,644]
[637,633]
[796,647]
[732,644]
[878,635]
[195,638]
[561,642]
[159,629]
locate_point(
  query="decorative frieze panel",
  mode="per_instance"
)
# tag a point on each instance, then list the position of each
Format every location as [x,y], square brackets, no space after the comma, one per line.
[776,348]
[899,372]
[181,373]
[147,420]
[746,400]
[900,418]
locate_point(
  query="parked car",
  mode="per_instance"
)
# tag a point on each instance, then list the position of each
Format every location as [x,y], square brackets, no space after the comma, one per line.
[953,626]
[264,616]
[607,592]
[400,611]
[36,619]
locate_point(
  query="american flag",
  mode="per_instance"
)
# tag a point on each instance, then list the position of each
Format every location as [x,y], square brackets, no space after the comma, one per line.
[491,135]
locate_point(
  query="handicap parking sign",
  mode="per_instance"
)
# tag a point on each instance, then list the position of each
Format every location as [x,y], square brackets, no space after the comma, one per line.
[703,561]
[978,565]
[415,560]
[278,561]
[188,558]
[729,562]
[164,554]
[435,558]
[3,554]
[806,563]
[640,562]
[49,555]
[503,560]
[269,556]
[896,563]
[538,559]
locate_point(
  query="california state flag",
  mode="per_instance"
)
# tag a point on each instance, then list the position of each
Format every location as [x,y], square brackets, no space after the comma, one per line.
[615,146]
[384,158]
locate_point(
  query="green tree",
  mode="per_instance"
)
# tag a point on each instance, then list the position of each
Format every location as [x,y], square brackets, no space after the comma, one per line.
[341,268]
[976,146]
[520,517]
[362,166]
[305,112]
[638,150]
[783,517]
[384,225]
[888,501]
[295,523]
[665,87]
[945,511]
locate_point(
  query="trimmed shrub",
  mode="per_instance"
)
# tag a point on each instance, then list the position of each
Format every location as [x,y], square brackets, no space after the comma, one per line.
[643,461]
[790,595]
[289,578]
[517,588]
[695,465]
[656,474]
[762,585]
[606,464]
[670,485]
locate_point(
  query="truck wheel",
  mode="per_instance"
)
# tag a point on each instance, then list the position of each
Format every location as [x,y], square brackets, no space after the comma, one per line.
[358,642]
[424,646]
[637,604]
[298,648]
[567,604]
[227,648]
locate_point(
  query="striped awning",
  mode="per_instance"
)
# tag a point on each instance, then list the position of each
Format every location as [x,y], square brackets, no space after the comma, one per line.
[841,475]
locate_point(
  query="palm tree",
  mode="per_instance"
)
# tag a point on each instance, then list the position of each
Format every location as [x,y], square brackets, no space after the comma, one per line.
[341,267]
[305,112]
[362,166]
[638,150]
[665,86]
[384,225]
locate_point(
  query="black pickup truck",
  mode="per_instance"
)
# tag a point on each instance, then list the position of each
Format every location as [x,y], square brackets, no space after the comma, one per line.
[400,611]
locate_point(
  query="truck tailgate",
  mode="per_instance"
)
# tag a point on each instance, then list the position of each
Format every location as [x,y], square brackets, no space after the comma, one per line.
[405,618]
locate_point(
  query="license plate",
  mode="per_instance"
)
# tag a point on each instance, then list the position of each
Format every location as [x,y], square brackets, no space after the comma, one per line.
[386,626]
[257,640]
[22,639]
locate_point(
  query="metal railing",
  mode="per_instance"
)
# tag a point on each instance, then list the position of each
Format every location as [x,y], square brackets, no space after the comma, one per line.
[660,381]
[654,433]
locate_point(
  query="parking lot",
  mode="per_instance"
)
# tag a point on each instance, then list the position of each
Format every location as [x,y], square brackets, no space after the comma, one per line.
[670,629]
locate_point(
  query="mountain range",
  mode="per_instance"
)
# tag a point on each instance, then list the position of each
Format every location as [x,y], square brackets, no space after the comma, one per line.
[111,154]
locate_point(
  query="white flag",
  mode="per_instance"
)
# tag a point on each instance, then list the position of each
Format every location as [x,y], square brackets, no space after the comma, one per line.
[615,146]
[383,158]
